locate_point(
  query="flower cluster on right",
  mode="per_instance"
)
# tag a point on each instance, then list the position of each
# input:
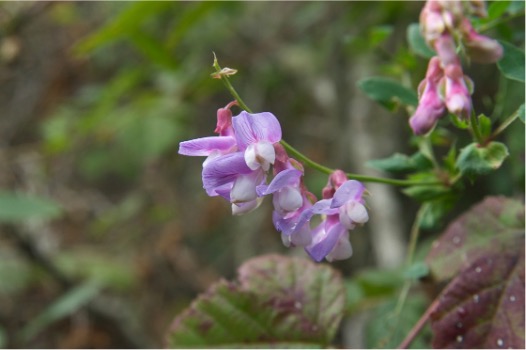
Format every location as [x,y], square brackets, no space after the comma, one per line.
[445,88]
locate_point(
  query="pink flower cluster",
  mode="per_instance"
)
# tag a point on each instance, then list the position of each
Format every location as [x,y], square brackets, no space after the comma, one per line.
[238,163]
[445,87]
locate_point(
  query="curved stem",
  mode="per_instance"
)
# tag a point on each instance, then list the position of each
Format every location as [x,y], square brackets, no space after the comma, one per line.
[303,158]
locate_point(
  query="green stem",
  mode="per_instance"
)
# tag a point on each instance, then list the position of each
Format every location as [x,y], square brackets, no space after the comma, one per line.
[306,160]
[229,87]
[475,128]
[505,124]
[413,239]
[415,232]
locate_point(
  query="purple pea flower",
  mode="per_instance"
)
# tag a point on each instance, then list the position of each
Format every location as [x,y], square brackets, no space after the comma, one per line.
[290,199]
[256,135]
[343,212]
[239,158]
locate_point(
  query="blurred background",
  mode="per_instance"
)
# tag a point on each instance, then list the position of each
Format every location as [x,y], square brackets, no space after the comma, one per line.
[105,231]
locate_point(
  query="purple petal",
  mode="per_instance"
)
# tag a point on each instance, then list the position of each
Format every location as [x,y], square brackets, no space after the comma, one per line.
[223,170]
[349,190]
[323,242]
[252,128]
[320,207]
[206,145]
[287,177]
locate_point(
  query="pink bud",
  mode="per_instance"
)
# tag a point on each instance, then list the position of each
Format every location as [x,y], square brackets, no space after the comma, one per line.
[430,105]
[224,122]
[336,179]
[430,109]
[480,48]
[458,98]
[445,48]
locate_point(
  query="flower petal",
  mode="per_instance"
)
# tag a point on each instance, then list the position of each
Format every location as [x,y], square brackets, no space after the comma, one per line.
[247,207]
[349,190]
[223,170]
[289,177]
[260,154]
[342,250]
[324,240]
[206,145]
[244,189]
[253,128]
[289,199]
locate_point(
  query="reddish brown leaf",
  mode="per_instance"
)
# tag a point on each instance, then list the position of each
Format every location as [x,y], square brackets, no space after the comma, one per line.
[276,302]
[491,227]
[483,307]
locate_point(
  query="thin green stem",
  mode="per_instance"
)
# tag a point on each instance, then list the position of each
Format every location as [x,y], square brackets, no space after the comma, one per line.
[303,158]
[415,232]
[413,239]
[505,124]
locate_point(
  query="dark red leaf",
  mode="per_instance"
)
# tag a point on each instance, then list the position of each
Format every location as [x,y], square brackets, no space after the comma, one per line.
[491,227]
[483,307]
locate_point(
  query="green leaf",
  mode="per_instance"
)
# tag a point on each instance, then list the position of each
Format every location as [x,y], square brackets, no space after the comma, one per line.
[521,113]
[495,225]
[483,307]
[512,62]
[497,9]
[17,207]
[274,300]
[485,126]
[125,23]
[416,271]
[386,330]
[417,42]
[435,210]
[459,123]
[371,286]
[108,270]
[387,92]
[379,34]
[401,163]
[148,137]
[477,160]
[64,306]
[426,192]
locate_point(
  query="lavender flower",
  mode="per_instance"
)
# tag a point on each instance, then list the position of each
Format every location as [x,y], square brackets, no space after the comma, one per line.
[343,212]
[239,158]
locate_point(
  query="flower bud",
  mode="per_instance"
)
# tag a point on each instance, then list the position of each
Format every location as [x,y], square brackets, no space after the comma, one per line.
[457,96]
[445,48]
[480,48]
